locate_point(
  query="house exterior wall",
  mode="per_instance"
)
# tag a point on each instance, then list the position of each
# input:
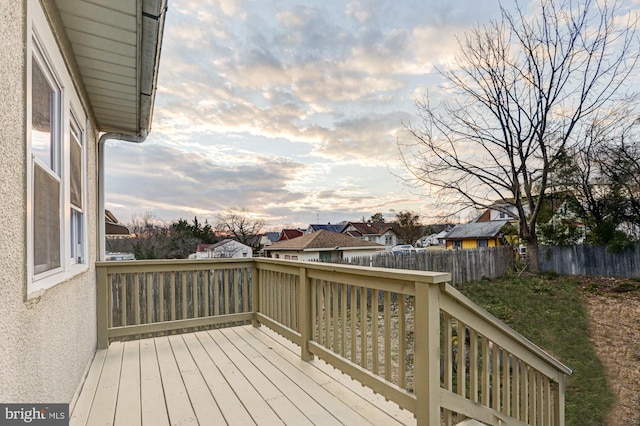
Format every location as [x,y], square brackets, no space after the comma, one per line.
[232,249]
[473,243]
[315,255]
[48,340]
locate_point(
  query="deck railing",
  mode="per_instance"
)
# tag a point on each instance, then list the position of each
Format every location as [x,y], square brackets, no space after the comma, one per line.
[408,335]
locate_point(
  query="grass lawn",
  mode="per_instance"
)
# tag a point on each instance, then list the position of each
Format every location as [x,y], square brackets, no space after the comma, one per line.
[550,311]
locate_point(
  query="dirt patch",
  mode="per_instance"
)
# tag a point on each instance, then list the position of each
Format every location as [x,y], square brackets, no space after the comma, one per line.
[614,314]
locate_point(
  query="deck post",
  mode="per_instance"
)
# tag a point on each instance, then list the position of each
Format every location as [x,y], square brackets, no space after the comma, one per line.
[427,353]
[102,308]
[255,294]
[304,315]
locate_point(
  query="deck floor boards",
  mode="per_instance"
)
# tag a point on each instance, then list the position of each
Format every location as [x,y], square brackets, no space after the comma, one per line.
[238,376]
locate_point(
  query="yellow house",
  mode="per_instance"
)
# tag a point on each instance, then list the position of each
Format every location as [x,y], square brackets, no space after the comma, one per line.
[476,235]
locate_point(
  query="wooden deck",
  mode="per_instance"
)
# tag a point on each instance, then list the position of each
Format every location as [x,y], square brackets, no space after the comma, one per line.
[237,376]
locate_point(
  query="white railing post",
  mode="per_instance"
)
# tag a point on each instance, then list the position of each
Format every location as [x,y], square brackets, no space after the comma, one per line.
[427,353]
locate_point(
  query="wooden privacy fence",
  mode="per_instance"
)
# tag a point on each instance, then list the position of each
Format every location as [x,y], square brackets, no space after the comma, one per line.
[590,260]
[408,335]
[463,265]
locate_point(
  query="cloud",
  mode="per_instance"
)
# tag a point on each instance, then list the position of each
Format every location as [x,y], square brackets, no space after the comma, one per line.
[151,176]
[288,109]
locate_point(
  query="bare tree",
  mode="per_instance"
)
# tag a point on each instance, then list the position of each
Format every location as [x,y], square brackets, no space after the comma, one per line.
[519,93]
[238,223]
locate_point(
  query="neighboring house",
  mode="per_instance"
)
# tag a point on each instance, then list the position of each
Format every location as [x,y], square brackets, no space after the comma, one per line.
[555,213]
[287,234]
[322,245]
[499,210]
[70,70]
[328,227]
[378,232]
[476,235]
[269,238]
[435,239]
[224,249]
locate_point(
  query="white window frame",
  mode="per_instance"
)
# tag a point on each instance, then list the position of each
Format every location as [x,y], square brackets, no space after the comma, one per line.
[42,45]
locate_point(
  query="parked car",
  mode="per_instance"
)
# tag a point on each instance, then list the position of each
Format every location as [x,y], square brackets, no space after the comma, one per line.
[403,249]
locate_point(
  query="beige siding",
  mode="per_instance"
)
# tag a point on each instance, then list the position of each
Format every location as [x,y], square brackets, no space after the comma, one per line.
[48,341]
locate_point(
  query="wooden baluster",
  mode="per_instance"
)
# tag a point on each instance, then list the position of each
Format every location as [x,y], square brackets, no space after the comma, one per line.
[515,387]
[236,293]
[185,308]
[375,331]
[124,288]
[136,298]
[485,382]
[506,382]
[172,296]
[495,377]
[363,327]
[473,365]
[461,365]
[226,291]
[194,292]
[335,316]
[314,310]
[216,292]
[205,292]
[322,325]
[402,342]
[245,290]
[524,393]
[387,335]
[353,326]
[149,292]
[532,396]
[161,296]
[548,411]
[343,320]
[293,302]
[539,399]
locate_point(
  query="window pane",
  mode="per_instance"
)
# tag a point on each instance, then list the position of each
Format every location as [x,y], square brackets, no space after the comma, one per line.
[42,144]
[77,236]
[75,157]
[46,221]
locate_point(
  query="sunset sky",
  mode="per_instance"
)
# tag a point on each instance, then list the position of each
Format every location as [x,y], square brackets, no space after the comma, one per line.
[288,109]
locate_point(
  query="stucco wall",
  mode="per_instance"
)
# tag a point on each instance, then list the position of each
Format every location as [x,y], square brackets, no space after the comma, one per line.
[47,342]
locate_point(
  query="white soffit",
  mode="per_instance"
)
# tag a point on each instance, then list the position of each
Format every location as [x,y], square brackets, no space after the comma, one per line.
[116,44]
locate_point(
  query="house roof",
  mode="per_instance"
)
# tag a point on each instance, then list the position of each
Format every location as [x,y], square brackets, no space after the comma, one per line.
[477,230]
[323,239]
[112,227]
[370,228]
[327,227]
[288,234]
[116,46]
[273,236]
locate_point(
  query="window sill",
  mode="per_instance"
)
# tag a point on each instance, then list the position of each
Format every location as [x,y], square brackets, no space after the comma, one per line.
[37,287]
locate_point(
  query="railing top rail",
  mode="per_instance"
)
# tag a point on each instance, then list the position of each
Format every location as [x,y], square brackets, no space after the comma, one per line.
[392,274]
[161,265]
[503,328]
